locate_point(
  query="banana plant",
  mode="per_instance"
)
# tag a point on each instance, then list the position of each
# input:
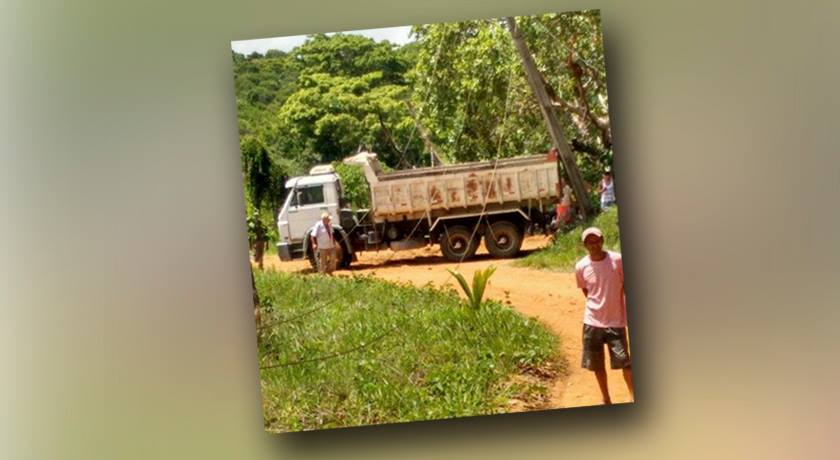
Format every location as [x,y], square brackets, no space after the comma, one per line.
[479,283]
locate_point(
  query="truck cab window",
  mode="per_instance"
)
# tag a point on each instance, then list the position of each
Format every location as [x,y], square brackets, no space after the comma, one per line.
[310,195]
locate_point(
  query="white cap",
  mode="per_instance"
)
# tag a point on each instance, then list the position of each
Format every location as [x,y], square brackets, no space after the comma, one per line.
[326,215]
[591,231]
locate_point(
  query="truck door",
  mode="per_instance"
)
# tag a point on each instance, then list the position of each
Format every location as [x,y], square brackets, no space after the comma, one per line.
[305,209]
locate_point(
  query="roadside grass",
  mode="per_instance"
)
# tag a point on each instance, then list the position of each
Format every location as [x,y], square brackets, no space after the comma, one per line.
[349,351]
[567,248]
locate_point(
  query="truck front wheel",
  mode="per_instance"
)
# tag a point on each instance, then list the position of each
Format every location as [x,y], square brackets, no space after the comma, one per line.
[458,243]
[310,255]
[503,239]
[343,257]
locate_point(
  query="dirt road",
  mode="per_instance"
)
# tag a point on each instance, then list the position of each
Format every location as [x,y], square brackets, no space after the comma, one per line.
[552,298]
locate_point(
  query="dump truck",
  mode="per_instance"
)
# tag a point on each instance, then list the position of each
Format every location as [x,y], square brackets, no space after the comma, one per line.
[453,206]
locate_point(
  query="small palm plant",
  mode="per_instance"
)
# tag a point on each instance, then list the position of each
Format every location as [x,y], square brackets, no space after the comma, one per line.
[479,282]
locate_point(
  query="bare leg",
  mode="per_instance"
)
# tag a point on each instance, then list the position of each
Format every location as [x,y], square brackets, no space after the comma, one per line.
[601,375]
[628,379]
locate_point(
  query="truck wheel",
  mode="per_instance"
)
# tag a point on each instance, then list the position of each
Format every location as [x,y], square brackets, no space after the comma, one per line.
[344,258]
[310,254]
[458,243]
[503,239]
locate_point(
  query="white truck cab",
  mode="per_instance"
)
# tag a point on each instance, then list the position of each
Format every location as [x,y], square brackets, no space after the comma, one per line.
[307,198]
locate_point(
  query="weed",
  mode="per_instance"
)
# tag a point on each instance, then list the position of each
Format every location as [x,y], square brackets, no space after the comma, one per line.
[479,283]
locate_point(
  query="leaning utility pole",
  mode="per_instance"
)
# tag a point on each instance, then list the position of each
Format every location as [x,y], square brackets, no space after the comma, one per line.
[554,128]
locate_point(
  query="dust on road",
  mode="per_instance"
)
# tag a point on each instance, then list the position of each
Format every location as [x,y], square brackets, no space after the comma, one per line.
[550,297]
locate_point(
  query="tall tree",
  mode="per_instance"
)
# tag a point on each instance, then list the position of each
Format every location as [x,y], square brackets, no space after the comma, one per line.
[477,103]
[260,180]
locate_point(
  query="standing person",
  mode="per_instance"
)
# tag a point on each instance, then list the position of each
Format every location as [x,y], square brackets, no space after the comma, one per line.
[564,209]
[323,242]
[601,277]
[607,189]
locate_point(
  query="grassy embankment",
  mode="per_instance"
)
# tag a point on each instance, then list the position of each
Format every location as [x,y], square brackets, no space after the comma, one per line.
[567,248]
[343,351]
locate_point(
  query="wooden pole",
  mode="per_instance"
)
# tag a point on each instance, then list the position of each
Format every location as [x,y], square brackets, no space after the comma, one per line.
[554,128]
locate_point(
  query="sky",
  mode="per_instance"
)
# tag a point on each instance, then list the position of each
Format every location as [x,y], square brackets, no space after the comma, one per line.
[398,35]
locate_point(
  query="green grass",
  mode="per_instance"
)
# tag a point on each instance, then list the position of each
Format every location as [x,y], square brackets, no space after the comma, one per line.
[403,353]
[568,249]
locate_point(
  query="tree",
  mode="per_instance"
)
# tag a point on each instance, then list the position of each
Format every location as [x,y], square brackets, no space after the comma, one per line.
[570,48]
[478,104]
[351,56]
[260,180]
[468,94]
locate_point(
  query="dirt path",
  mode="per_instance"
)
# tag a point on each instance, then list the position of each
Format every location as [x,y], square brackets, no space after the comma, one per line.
[550,297]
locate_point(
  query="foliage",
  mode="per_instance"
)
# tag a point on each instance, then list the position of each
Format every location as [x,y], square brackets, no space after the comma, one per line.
[480,102]
[476,292]
[354,185]
[261,186]
[332,115]
[339,352]
[351,55]
[568,249]
[467,76]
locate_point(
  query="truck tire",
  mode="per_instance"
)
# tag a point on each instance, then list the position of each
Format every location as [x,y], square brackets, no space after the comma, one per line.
[503,239]
[344,257]
[310,254]
[458,243]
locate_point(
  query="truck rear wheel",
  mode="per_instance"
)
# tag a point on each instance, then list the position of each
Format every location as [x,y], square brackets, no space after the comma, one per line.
[458,243]
[503,239]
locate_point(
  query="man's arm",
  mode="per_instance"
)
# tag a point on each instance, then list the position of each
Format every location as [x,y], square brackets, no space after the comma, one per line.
[580,282]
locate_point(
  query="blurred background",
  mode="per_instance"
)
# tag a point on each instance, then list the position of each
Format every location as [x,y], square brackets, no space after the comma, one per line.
[127,326]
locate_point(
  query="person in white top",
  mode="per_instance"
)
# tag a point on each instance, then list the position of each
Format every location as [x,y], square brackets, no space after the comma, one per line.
[600,275]
[607,190]
[323,242]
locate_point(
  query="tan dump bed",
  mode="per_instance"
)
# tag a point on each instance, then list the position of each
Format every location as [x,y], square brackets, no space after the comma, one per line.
[457,187]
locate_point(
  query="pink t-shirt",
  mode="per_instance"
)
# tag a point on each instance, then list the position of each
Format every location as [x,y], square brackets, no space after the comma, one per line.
[604,281]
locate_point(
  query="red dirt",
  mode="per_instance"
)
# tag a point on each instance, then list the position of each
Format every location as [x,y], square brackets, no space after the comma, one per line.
[550,297]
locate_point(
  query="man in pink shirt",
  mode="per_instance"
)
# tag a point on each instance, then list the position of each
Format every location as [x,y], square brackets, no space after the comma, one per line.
[601,277]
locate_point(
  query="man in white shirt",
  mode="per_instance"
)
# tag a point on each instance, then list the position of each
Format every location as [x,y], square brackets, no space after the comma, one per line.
[601,277]
[323,242]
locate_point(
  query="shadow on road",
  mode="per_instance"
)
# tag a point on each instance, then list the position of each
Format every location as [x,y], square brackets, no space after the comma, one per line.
[429,260]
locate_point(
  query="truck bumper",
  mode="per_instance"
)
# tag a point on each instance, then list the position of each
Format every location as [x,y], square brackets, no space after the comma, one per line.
[284,251]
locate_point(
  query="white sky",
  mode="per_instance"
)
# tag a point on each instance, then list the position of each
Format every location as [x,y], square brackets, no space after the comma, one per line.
[397,35]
